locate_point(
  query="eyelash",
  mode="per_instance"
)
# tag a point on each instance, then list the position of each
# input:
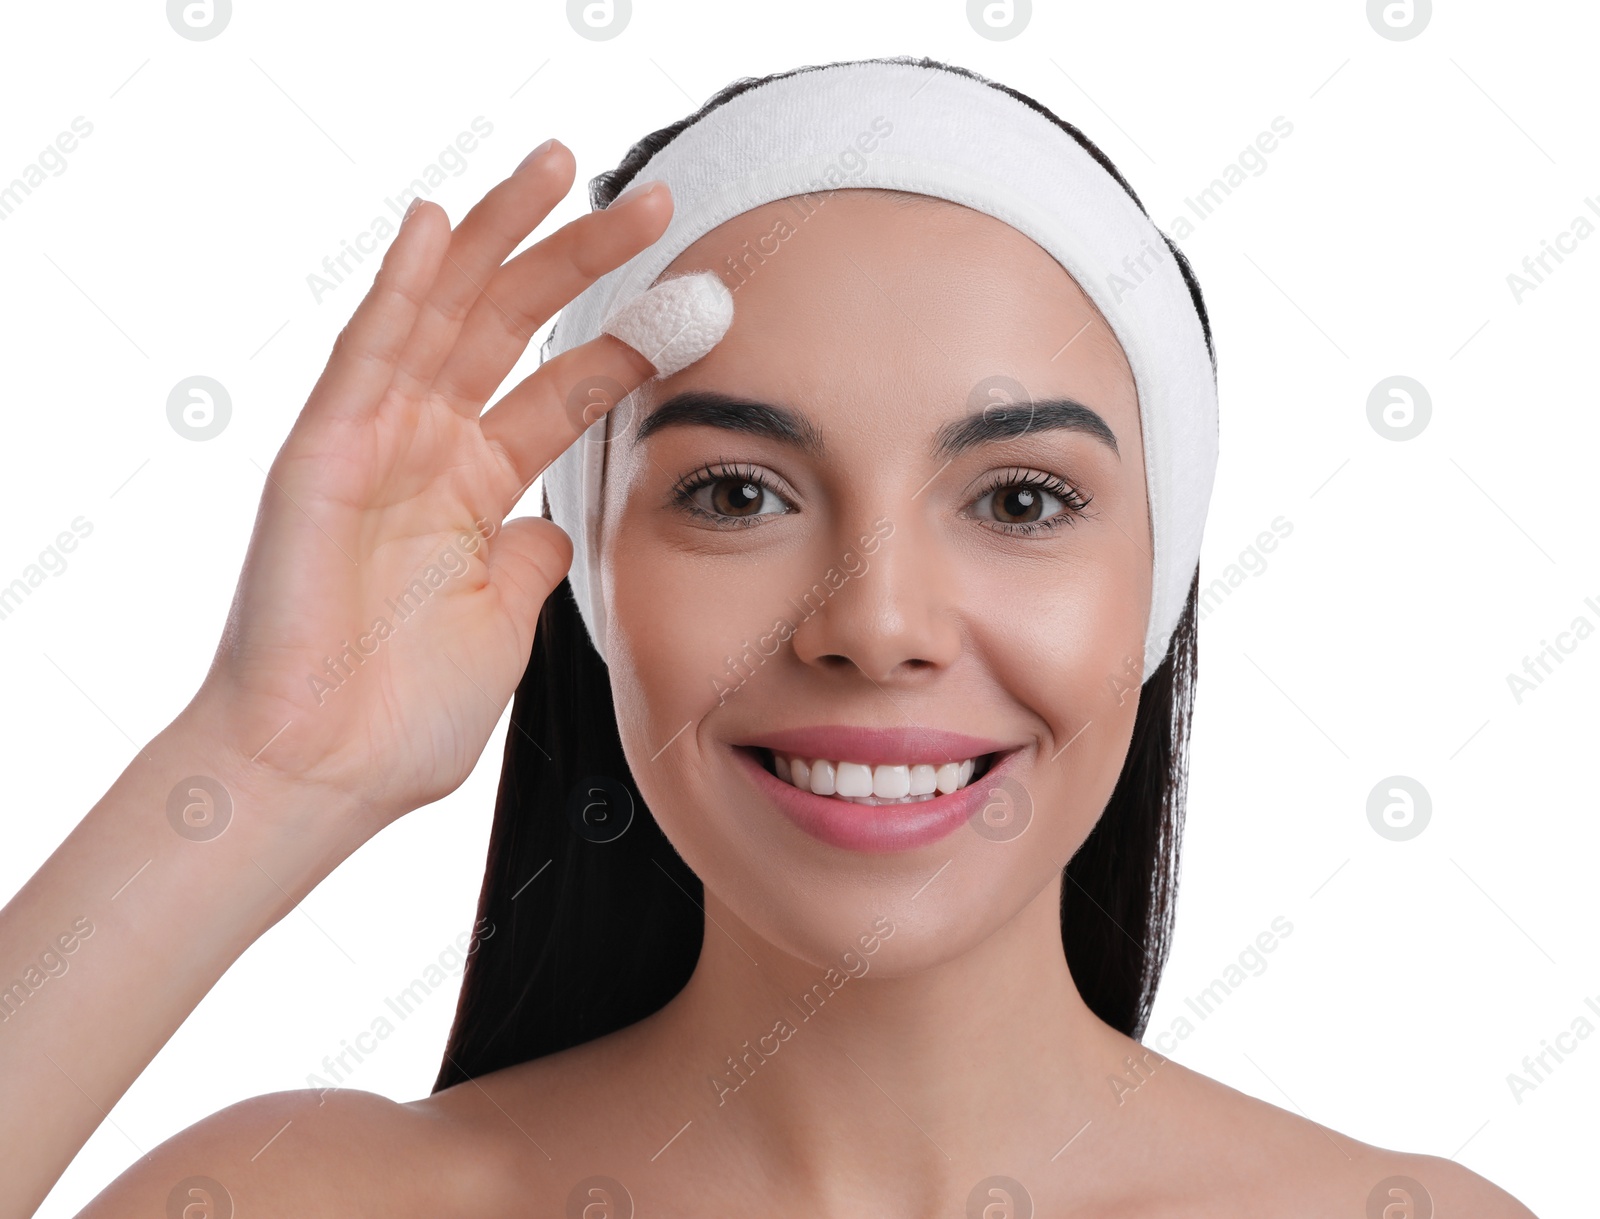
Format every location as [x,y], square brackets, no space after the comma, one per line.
[683,491]
[1074,504]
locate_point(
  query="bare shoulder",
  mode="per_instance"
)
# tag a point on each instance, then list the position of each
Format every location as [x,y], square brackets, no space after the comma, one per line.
[298,1154]
[1453,1188]
[1236,1142]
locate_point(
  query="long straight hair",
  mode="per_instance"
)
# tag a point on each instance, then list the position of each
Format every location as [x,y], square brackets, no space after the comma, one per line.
[592,921]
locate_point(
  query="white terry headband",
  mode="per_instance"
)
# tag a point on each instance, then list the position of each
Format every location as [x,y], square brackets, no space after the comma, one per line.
[930,132]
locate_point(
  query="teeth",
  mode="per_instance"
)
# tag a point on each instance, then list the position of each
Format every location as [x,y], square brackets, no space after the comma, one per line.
[886,784]
[851,779]
[891,782]
[822,777]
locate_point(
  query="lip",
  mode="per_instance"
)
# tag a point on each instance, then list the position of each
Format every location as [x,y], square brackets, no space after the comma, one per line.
[877,828]
[878,746]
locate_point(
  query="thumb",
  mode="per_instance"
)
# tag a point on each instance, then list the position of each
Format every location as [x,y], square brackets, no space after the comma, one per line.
[527,559]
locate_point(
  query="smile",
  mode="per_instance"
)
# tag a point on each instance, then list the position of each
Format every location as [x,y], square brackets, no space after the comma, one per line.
[877,789]
[884,783]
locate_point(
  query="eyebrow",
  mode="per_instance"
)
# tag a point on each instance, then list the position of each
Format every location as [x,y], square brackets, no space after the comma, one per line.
[708,408]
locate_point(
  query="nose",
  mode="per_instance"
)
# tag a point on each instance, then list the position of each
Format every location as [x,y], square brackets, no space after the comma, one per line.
[890,614]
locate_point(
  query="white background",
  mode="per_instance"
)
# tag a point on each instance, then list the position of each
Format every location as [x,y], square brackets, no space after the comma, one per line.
[1376,641]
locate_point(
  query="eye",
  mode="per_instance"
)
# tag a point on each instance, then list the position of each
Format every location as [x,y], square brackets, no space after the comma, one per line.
[1020,502]
[728,495]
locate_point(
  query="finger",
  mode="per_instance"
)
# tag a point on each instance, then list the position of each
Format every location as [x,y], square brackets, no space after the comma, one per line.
[527,558]
[529,290]
[494,227]
[544,414]
[365,353]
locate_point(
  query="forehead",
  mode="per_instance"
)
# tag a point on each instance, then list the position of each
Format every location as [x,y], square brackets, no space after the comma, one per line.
[856,294]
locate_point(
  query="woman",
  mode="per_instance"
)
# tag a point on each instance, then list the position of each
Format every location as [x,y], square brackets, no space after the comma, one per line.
[893,581]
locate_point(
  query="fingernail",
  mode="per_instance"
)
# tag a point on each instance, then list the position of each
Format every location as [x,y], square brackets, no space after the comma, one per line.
[411,207]
[637,189]
[534,155]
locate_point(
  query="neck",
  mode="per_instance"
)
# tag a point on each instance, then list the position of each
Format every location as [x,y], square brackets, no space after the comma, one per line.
[877,1066]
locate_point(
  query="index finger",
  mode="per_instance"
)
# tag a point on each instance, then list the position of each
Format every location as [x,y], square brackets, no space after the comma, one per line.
[544,414]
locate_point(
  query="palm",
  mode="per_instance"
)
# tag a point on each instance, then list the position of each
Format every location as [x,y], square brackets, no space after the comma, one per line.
[383,572]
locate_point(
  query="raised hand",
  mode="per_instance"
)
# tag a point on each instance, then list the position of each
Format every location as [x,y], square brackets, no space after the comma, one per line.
[379,542]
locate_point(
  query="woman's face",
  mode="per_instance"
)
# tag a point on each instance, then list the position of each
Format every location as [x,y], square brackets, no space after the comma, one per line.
[895,541]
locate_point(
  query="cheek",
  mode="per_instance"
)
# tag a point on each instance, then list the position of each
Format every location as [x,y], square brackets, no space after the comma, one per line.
[1070,625]
[693,632]
[685,642]
[1068,646]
